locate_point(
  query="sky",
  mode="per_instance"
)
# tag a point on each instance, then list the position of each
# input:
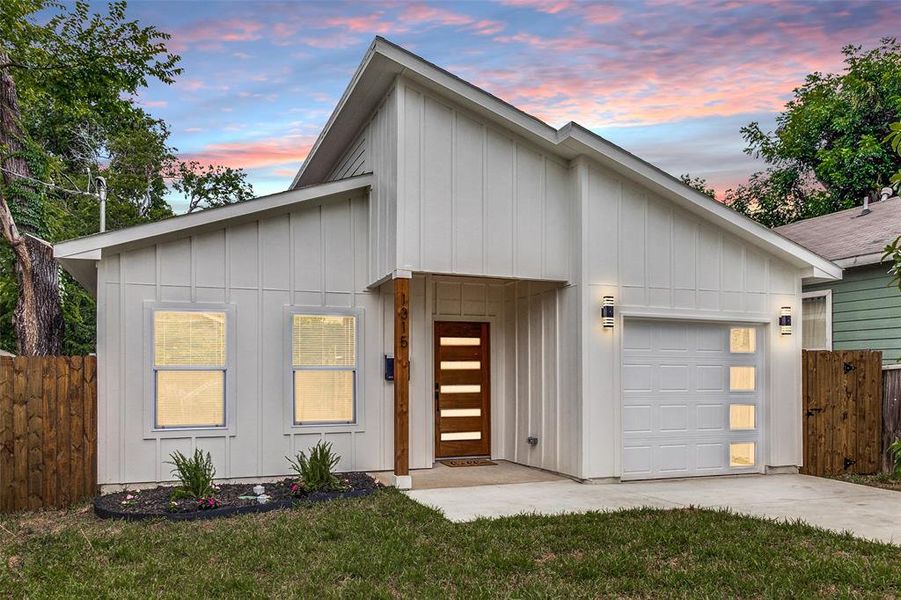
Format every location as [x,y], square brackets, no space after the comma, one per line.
[670,81]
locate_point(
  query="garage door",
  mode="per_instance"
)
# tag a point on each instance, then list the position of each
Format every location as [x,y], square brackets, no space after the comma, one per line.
[692,398]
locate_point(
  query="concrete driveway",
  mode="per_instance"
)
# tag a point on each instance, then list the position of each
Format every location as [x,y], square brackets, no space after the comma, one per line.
[866,512]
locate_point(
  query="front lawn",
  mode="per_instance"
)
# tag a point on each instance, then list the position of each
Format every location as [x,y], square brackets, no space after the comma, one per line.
[386,545]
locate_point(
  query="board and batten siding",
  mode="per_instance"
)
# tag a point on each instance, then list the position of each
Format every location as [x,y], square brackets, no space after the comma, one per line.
[473,199]
[659,261]
[315,256]
[866,312]
[374,150]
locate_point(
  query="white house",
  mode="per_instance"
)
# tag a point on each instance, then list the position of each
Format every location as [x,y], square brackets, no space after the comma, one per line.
[476,244]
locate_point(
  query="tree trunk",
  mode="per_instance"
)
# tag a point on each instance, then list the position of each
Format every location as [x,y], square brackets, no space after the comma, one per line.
[38,317]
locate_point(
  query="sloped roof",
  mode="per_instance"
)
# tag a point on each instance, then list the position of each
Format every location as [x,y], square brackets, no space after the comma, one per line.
[849,235]
[79,255]
[385,61]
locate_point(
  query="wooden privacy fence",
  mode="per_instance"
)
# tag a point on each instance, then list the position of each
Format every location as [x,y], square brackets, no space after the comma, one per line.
[842,412]
[891,413]
[48,431]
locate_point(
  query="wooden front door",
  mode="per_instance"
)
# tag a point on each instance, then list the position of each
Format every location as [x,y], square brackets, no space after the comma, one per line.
[462,390]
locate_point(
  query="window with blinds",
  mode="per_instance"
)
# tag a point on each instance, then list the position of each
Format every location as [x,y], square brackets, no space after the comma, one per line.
[189,368]
[324,364]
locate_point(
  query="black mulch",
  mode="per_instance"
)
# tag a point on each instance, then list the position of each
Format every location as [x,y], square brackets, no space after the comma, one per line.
[157,502]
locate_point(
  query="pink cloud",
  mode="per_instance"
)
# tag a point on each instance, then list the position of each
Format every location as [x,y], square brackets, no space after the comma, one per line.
[658,70]
[599,14]
[268,152]
[211,35]
[371,23]
[412,17]
[546,6]
[190,85]
[155,103]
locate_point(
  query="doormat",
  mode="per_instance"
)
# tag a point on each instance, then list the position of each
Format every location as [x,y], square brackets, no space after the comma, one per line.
[468,462]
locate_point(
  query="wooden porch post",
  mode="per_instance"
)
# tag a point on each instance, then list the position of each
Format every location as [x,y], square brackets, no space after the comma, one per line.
[402,382]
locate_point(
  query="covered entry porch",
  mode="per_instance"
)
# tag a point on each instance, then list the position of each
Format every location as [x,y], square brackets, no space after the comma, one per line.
[476,373]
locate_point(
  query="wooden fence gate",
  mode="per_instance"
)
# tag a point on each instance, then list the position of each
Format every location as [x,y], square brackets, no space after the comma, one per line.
[891,414]
[48,431]
[842,412]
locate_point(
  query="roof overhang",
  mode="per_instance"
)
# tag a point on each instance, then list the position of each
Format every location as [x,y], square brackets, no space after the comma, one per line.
[80,256]
[860,261]
[385,61]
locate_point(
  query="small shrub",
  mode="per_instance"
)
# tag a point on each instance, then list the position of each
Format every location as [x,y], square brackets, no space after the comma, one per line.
[316,472]
[194,475]
[895,450]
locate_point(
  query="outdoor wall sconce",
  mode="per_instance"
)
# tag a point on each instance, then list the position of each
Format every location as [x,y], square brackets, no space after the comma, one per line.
[607,312]
[785,321]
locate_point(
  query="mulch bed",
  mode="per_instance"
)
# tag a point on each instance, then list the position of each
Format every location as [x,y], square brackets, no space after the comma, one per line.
[156,503]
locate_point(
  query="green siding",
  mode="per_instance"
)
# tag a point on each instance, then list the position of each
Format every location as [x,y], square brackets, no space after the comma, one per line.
[866,312]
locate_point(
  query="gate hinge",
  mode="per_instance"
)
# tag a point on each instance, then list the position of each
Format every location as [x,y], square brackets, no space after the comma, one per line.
[848,367]
[848,462]
[812,411]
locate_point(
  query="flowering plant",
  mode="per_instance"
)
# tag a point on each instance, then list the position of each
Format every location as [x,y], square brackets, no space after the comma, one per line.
[208,503]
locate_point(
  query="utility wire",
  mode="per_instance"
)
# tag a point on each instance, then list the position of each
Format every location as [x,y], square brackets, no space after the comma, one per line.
[49,185]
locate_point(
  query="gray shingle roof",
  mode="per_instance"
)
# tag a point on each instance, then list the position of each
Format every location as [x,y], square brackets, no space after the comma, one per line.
[848,233]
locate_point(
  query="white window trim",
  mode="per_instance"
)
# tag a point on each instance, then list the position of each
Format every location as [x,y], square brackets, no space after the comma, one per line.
[291,426]
[820,294]
[151,431]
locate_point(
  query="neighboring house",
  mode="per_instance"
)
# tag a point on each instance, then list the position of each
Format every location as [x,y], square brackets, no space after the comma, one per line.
[255,330]
[863,309]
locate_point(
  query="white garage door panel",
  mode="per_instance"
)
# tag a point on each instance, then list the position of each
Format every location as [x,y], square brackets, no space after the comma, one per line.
[677,397]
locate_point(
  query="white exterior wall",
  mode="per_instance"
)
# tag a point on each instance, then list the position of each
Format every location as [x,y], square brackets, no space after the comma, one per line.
[374,150]
[547,401]
[315,256]
[475,200]
[660,261]
[453,196]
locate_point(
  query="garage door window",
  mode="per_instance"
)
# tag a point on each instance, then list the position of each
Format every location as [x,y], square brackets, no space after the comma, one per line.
[742,340]
[741,454]
[741,417]
[741,379]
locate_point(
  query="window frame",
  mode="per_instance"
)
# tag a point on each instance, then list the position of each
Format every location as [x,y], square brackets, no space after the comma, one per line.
[291,424]
[151,430]
[819,294]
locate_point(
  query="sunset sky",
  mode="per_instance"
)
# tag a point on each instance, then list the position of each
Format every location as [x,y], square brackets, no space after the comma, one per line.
[670,81]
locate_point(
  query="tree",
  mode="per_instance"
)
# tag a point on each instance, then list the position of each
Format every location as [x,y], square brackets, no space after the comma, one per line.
[894,140]
[75,69]
[826,152]
[69,81]
[698,183]
[210,186]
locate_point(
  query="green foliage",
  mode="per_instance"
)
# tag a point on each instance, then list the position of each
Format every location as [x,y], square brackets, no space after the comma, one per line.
[698,183]
[78,75]
[892,255]
[827,153]
[211,186]
[194,475]
[894,140]
[316,472]
[895,450]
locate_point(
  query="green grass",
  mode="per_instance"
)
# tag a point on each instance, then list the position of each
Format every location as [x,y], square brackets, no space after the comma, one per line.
[388,546]
[888,481]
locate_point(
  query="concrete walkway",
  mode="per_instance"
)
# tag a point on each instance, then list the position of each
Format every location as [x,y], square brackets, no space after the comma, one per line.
[866,512]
